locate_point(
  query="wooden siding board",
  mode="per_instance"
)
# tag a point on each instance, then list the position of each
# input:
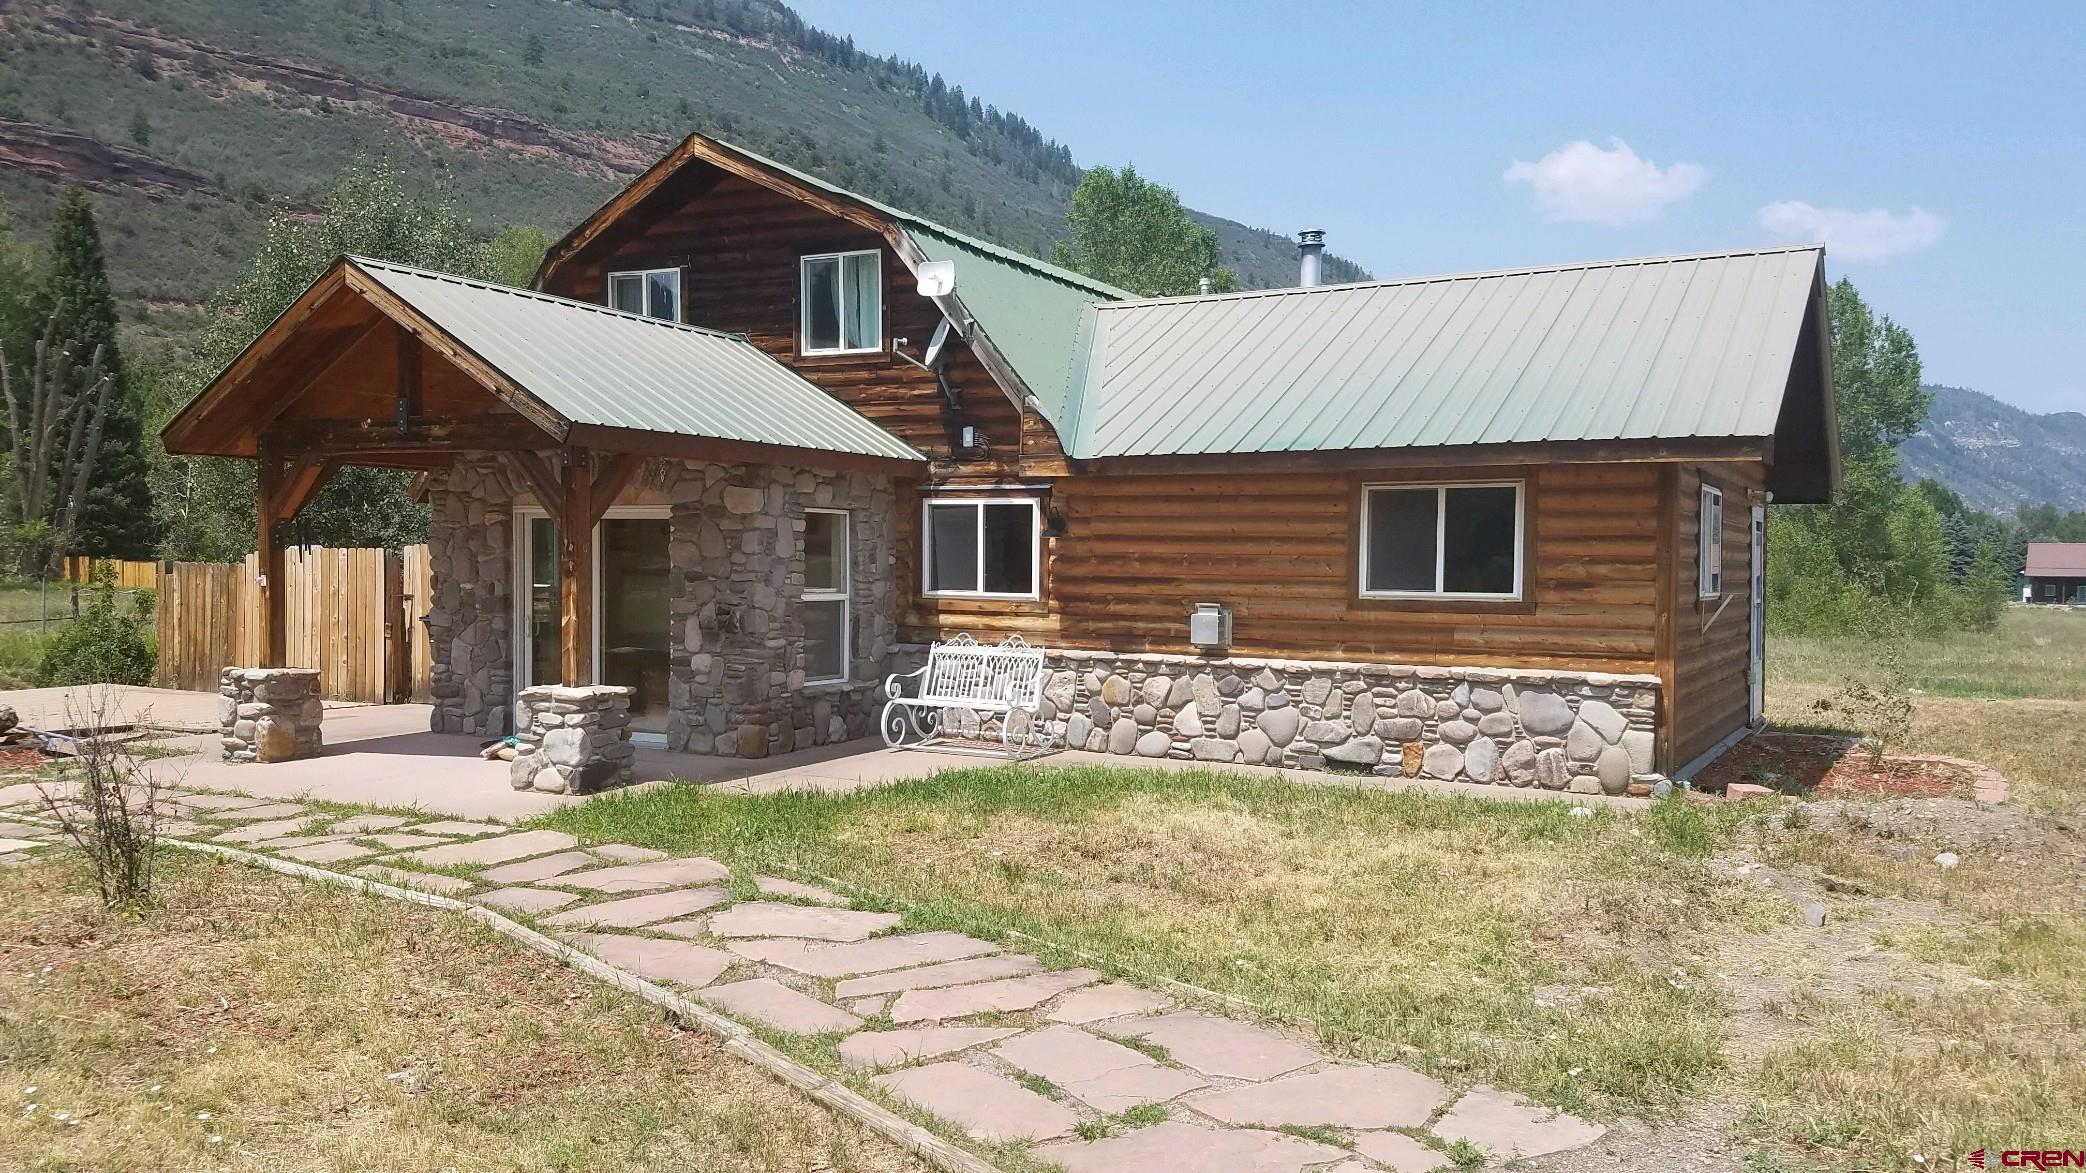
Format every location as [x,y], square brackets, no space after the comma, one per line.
[1711,694]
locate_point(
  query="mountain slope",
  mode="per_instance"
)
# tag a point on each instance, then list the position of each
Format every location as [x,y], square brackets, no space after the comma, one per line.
[1998,456]
[196,118]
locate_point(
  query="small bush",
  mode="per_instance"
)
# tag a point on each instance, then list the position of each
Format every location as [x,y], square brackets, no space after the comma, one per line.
[107,644]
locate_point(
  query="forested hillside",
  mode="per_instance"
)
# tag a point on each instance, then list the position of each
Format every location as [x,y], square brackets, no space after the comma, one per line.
[1997,456]
[193,119]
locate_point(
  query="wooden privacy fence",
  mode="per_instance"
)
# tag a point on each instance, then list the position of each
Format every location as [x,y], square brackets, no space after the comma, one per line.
[353,614]
[128,575]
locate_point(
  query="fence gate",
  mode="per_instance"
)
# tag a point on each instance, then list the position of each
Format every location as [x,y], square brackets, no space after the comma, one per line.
[353,614]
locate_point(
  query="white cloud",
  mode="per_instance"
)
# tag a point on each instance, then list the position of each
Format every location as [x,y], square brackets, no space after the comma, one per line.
[1877,234]
[1584,183]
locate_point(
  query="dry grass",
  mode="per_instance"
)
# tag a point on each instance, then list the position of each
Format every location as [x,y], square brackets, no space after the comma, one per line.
[307,1027]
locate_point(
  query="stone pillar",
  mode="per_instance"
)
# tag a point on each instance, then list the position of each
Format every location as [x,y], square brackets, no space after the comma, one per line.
[270,714]
[572,740]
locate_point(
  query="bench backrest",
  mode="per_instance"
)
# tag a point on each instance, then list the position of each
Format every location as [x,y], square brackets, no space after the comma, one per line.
[1008,674]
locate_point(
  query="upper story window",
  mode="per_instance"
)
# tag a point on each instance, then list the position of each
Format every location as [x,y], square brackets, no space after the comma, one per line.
[982,549]
[1709,549]
[655,293]
[825,601]
[1446,541]
[843,299]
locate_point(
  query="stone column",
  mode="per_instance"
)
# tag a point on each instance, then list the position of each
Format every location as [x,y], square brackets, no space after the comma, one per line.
[270,714]
[572,740]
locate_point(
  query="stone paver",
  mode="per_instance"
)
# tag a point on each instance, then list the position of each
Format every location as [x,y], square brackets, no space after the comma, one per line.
[219,802]
[981,1103]
[288,841]
[1507,1128]
[1113,1000]
[400,840]
[455,827]
[770,1003]
[765,918]
[689,929]
[648,877]
[625,853]
[19,844]
[269,829]
[525,899]
[1019,993]
[1176,1147]
[832,961]
[530,871]
[498,849]
[364,824]
[948,973]
[334,852]
[1401,1152]
[890,1048]
[179,828]
[634,911]
[651,957]
[267,810]
[425,881]
[867,1007]
[777,886]
[1221,1046]
[1386,1096]
[1107,1077]
[24,830]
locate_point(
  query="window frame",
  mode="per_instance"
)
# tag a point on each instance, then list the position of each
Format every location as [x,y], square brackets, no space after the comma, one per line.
[1035,505]
[1709,542]
[1441,514]
[608,290]
[844,595]
[804,346]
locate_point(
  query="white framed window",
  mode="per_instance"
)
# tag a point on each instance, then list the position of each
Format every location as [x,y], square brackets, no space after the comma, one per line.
[824,606]
[655,293]
[1442,541]
[842,295]
[1709,548]
[987,548]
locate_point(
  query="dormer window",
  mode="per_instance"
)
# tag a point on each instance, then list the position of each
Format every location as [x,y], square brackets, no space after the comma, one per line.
[843,303]
[655,293]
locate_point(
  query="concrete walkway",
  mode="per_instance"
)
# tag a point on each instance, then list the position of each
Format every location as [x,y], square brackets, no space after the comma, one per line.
[1096,1074]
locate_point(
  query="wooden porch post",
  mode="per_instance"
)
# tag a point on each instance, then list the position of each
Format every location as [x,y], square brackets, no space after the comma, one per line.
[274,600]
[576,568]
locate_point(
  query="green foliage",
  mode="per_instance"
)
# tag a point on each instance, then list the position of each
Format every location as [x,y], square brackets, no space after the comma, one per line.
[1878,707]
[1986,589]
[516,252]
[107,644]
[1133,233]
[206,505]
[115,519]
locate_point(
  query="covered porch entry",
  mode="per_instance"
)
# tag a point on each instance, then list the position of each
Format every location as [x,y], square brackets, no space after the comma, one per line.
[619,506]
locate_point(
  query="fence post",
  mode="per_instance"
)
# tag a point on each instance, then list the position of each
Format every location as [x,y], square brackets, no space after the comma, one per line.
[398,672]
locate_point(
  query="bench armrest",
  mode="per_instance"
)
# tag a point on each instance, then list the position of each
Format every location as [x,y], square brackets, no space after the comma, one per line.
[895,690]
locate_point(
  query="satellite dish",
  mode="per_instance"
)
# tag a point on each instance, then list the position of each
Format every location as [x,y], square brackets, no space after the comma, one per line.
[936,344]
[937,278]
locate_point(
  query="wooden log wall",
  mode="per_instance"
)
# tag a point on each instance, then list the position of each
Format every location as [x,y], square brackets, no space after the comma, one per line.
[738,247]
[1711,694]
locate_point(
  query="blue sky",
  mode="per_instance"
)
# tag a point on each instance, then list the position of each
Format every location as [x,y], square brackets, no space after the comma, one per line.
[1939,149]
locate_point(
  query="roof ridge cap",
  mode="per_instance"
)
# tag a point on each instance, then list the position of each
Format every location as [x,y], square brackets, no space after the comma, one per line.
[539,295]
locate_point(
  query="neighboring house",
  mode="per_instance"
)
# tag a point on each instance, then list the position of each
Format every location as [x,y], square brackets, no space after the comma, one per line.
[2056,572]
[1503,526]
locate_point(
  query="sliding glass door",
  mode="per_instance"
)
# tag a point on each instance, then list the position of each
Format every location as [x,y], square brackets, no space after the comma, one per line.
[632,642]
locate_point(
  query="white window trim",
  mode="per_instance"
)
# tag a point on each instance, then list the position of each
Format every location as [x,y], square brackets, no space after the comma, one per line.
[608,290]
[844,596]
[1441,514]
[1709,544]
[804,302]
[1035,505]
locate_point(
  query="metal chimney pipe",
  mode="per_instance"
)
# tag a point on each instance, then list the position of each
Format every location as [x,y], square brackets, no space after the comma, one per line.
[1311,257]
[1203,287]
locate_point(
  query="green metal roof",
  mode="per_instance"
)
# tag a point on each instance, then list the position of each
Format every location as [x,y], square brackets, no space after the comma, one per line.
[594,365]
[1653,348]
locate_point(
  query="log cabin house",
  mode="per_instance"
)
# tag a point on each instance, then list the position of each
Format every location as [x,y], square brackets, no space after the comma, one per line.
[751,441]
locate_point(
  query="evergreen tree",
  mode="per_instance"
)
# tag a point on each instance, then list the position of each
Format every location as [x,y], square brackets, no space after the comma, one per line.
[18,285]
[116,519]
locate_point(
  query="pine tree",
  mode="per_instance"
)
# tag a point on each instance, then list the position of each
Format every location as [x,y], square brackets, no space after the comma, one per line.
[116,519]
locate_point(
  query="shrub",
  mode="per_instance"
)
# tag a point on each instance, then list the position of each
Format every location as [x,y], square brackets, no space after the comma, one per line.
[105,645]
[112,813]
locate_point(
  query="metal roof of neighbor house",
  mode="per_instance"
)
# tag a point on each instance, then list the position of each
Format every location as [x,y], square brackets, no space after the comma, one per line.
[2057,559]
[594,365]
[1652,348]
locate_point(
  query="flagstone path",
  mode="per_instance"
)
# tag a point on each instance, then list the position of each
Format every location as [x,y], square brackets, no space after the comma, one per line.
[994,1043]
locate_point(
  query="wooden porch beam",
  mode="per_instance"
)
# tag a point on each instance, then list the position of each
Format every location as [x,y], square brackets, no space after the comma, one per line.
[272,603]
[576,568]
[408,406]
[542,478]
[447,434]
[610,479]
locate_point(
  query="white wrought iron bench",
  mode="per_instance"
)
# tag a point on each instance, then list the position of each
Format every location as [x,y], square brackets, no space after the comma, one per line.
[963,682]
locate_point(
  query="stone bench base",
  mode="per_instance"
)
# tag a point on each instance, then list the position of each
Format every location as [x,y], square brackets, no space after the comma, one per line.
[270,714]
[572,740]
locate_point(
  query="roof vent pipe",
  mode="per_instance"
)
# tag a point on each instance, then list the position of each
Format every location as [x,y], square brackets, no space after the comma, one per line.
[1203,287]
[1311,257]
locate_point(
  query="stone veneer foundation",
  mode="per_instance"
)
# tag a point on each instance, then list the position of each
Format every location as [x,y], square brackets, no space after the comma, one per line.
[737,684]
[1584,732]
[270,714]
[572,740]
